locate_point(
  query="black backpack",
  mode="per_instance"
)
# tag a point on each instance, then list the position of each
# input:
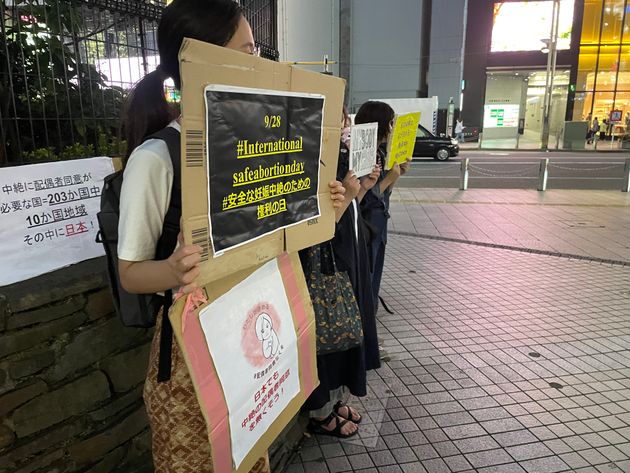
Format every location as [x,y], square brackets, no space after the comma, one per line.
[141,310]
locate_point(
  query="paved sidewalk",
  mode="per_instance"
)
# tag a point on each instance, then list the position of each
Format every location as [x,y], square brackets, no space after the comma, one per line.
[586,223]
[502,361]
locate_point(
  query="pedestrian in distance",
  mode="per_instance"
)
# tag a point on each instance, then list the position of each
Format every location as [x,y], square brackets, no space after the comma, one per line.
[459,130]
[604,129]
[609,128]
[179,433]
[593,132]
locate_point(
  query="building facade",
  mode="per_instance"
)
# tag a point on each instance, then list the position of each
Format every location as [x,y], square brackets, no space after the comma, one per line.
[505,66]
[381,51]
[603,68]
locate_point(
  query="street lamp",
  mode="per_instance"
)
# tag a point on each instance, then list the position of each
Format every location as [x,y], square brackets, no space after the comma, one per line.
[551,49]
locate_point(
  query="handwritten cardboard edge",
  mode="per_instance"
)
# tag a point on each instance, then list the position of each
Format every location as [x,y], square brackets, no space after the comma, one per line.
[203,63]
[215,291]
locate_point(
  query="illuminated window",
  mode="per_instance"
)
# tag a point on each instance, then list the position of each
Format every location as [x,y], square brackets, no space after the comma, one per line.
[607,67]
[519,26]
[592,21]
[603,104]
[622,102]
[612,21]
[582,105]
[623,80]
[586,68]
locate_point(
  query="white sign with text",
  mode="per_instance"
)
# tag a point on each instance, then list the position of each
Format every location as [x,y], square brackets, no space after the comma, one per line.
[363,144]
[48,216]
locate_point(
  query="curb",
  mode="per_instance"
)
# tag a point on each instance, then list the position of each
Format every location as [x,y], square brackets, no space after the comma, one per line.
[515,248]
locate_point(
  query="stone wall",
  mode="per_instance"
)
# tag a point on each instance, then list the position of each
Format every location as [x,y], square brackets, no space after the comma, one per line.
[71,380]
[70,377]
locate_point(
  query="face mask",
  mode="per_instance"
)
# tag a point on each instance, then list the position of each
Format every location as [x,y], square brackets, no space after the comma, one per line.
[345,135]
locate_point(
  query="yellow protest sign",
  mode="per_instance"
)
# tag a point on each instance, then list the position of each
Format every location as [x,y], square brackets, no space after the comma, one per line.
[402,138]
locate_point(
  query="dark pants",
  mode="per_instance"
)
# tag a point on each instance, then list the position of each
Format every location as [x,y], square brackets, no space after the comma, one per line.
[377,253]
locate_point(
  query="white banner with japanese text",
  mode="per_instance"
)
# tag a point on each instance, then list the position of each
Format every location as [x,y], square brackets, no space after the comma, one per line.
[48,216]
[253,343]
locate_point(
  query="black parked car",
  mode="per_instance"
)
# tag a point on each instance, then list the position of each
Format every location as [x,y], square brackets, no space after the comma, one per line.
[440,148]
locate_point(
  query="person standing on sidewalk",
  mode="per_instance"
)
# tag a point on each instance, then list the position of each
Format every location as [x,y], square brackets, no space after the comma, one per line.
[594,131]
[345,371]
[179,432]
[459,130]
[375,205]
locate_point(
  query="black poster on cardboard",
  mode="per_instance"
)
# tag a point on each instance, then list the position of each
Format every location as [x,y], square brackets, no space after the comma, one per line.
[263,150]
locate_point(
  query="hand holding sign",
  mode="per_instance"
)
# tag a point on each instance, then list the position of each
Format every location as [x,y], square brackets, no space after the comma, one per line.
[404,167]
[184,264]
[369,181]
[352,185]
[395,171]
[337,191]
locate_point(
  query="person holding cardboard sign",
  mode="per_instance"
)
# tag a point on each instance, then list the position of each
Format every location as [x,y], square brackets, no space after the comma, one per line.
[150,194]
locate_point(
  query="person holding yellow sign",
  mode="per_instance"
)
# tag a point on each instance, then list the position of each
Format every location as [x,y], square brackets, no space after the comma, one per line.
[375,204]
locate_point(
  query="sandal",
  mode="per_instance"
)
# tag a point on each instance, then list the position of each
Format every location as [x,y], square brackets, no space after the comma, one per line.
[340,405]
[317,426]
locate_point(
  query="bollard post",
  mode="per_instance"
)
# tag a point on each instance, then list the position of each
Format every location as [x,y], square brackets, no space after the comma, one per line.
[626,177]
[518,139]
[479,140]
[542,174]
[463,177]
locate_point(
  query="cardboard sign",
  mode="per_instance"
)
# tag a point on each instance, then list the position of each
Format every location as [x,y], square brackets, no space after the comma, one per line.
[402,139]
[48,214]
[363,145]
[263,171]
[202,64]
[250,351]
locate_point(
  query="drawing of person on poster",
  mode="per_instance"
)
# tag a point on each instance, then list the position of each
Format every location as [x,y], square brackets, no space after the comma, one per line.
[267,335]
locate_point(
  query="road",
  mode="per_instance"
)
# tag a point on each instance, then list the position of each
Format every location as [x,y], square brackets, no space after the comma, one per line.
[519,170]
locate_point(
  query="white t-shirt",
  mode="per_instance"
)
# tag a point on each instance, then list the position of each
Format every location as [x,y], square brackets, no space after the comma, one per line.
[144,199]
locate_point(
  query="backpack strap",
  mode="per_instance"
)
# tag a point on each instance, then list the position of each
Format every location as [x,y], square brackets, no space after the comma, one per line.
[167,243]
[166,341]
[168,240]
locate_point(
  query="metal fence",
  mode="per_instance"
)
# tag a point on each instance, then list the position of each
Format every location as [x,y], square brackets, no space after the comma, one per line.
[66,67]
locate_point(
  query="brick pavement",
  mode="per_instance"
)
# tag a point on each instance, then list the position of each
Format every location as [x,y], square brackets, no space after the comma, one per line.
[501,361]
[587,223]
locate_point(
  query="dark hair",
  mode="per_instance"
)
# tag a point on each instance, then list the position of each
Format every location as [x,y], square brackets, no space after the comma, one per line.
[379,112]
[211,21]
